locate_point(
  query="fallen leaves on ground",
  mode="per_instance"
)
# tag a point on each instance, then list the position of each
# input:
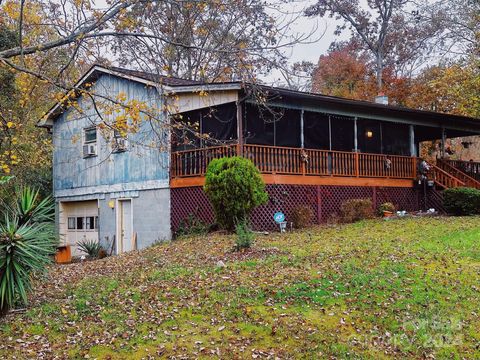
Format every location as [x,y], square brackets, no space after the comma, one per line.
[373,289]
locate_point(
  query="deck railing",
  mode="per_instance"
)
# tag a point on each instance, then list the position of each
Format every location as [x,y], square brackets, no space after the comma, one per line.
[295,161]
[443,179]
[459,174]
[471,168]
[194,162]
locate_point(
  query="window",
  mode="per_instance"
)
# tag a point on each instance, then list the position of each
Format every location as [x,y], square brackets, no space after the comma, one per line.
[120,143]
[89,142]
[71,223]
[90,222]
[80,223]
[83,223]
[90,135]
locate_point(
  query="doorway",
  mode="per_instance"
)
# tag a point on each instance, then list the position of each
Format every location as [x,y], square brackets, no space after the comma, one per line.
[124,226]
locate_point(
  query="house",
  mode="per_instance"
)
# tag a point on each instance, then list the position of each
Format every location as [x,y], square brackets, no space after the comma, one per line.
[129,190]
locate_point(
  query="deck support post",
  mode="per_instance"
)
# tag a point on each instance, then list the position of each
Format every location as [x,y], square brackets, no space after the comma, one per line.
[239,128]
[413,149]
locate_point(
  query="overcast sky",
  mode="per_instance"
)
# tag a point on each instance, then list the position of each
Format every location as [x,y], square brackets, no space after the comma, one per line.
[316,46]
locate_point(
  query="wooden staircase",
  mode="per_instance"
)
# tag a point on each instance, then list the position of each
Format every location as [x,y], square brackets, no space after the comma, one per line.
[443,179]
[458,173]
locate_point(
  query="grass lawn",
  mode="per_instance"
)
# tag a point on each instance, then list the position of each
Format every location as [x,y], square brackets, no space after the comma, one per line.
[374,289]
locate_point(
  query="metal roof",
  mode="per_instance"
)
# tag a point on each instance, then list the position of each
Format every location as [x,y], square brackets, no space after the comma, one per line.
[276,95]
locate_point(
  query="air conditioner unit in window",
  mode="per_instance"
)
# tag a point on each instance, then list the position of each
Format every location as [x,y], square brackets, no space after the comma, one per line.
[89,150]
[120,144]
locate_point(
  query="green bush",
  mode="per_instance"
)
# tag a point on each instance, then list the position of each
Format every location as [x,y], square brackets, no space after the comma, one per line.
[356,209]
[27,245]
[234,187]
[245,236]
[462,201]
[302,216]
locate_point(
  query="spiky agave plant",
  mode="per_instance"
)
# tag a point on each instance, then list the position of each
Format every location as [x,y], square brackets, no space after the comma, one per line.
[27,243]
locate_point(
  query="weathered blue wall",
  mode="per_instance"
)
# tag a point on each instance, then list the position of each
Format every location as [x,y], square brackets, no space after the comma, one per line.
[144,162]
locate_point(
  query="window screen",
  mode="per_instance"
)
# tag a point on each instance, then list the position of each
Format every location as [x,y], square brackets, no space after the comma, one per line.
[369,136]
[80,223]
[342,133]
[90,135]
[90,222]
[316,131]
[396,139]
[71,223]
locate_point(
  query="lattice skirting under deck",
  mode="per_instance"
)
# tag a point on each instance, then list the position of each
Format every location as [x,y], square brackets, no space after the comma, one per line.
[324,200]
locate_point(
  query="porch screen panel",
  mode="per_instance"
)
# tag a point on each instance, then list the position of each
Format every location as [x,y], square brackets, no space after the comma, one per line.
[259,127]
[369,136]
[287,128]
[342,130]
[182,137]
[315,131]
[220,123]
[396,139]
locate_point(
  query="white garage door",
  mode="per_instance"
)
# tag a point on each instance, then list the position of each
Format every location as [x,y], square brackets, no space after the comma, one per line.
[80,223]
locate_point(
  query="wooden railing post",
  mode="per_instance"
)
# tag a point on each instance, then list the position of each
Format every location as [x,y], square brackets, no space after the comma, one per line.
[414,167]
[357,164]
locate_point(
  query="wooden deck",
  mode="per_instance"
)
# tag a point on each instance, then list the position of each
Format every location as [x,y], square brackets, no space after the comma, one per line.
[283,165]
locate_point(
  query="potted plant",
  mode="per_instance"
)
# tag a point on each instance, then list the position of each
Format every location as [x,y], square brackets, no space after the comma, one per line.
[386,209]
[63,254]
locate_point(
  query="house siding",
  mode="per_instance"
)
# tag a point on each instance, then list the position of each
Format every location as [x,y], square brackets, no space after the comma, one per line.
[140,174]
[141,163]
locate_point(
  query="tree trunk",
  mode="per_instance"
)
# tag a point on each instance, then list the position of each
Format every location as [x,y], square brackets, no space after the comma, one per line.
[379,71]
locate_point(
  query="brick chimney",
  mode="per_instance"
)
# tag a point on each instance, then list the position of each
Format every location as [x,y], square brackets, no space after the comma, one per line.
[381,98]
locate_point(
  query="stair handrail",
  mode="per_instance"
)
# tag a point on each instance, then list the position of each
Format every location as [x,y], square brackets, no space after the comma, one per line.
[466,178]
[455,181]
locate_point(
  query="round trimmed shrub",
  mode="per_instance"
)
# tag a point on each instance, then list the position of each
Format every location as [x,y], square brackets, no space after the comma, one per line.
[234,187]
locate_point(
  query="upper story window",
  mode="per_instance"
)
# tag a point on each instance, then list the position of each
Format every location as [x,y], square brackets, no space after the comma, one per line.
[89,142]
[120,142]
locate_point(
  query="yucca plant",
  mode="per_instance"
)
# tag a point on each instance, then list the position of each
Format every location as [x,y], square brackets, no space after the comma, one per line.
[90,247]
[27,244]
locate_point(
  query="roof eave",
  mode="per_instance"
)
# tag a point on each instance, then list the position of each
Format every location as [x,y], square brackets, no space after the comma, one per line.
[48,119]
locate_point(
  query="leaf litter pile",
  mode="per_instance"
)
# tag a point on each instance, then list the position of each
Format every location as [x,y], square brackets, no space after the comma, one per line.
[375,289]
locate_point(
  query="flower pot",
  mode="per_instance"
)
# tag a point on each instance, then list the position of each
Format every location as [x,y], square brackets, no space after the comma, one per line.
[387,213]
[63,255]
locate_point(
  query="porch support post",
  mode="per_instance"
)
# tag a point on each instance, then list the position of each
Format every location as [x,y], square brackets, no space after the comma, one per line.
[355,134]
[329,132]
[239,128]
[302,134]
[442,143]
[413,148]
